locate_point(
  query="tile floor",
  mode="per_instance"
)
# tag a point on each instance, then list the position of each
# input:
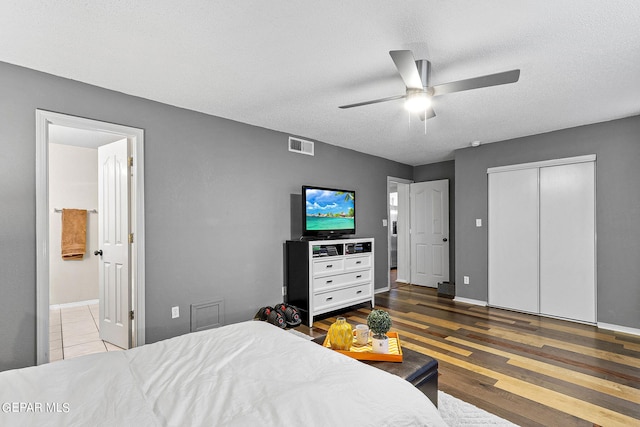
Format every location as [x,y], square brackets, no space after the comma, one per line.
[74,331]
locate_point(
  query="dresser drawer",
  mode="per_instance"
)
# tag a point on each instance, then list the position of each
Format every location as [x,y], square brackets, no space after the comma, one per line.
[353,263]
[328,266]
[326,300]
[338,280]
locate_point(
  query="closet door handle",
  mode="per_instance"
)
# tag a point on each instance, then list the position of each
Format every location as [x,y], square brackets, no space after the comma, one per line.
[98,252]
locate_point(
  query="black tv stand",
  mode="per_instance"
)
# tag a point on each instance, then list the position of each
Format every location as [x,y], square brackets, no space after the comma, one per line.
[327,237]
[327,275]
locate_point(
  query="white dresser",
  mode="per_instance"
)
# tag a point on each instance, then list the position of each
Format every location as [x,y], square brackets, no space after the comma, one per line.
[327,275]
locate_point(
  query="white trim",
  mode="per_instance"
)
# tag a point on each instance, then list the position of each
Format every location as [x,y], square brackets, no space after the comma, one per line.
[618,328]
[42,239]
[470,301]
[136,136]
[544,163]
[74,304]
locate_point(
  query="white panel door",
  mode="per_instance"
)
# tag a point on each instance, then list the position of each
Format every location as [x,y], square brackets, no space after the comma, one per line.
[429,232]
[567,241]
[513,239]
[113,238]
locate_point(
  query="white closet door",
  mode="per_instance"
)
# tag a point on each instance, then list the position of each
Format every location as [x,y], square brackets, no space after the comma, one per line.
[567,241]
[513,239]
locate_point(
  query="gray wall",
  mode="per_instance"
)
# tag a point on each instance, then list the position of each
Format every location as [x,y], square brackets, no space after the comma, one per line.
[437,171]
[617,146]
[218,204]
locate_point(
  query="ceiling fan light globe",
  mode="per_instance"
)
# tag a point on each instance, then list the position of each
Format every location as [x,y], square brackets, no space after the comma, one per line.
[417,102]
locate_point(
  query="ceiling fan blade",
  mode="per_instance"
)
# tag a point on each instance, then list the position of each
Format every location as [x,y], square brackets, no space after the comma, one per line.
[430,114]
[375,101]
[406,65]
[477,82]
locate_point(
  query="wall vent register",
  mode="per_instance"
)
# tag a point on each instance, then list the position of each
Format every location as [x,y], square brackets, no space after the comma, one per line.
[301,146]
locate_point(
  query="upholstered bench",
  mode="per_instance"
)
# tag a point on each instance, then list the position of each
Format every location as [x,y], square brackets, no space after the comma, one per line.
[417,368]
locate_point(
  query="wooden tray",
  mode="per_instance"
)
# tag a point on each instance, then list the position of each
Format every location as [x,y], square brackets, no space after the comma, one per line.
[365,352]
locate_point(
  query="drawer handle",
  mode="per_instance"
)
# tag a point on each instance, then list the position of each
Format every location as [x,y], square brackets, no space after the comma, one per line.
[358,262]
[329,281]
[329,265]
[329,299]
[358,276]
[359,292]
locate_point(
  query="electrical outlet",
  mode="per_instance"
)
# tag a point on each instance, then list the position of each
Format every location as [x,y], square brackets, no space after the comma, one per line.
[465,279]
[175,312]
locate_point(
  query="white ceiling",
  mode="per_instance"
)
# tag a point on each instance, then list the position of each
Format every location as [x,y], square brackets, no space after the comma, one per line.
[288,65]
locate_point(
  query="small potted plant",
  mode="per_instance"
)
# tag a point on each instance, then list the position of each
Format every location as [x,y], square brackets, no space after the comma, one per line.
[379,322]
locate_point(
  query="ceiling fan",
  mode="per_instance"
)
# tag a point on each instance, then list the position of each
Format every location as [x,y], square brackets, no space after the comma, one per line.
[417,76]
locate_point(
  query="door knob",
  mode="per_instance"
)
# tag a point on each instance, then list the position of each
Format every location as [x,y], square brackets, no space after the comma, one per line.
[98,252]
[444,240]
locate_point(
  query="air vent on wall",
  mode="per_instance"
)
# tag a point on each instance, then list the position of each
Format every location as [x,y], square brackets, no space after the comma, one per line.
[301,146]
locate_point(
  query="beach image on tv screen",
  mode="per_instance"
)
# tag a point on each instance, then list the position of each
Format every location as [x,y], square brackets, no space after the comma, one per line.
[330,210]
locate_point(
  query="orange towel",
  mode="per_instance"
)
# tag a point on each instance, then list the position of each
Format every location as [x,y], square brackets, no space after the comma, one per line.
[74,233]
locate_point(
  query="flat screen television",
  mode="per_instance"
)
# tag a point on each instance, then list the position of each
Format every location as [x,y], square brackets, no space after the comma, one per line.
[328,212]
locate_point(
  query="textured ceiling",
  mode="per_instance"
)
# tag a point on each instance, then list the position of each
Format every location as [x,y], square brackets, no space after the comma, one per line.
[288,65]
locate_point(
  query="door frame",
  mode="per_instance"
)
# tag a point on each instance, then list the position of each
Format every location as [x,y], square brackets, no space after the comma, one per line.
[136,137]
[404,229]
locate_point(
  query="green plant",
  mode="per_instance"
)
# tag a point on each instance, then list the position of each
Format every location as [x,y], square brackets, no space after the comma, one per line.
[379,322]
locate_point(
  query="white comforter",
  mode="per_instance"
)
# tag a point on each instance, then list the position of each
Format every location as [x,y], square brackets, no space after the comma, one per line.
[247,374]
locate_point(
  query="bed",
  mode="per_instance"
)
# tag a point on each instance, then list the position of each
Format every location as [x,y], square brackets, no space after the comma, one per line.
[245,374]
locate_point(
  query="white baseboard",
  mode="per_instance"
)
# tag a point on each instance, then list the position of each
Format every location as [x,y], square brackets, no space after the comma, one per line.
[74,304]
[618,328]
[470,301]
[600,325]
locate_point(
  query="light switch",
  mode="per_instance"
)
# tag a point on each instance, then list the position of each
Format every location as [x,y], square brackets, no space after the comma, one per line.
[384,222]
[478,222]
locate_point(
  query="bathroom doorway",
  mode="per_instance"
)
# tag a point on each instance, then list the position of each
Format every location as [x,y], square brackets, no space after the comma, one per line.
[70,295]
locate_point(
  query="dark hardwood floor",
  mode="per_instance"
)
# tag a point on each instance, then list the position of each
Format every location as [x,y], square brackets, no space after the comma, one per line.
[531,370]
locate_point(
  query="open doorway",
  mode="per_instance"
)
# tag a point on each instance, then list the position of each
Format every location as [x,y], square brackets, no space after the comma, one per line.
[70,175]
[74,294]
[393,234]
[398,231]
[418,232]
